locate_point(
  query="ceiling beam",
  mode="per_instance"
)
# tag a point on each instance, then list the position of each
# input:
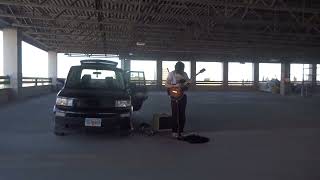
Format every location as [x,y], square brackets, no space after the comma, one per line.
[217,33]
[215,3]
[125,22]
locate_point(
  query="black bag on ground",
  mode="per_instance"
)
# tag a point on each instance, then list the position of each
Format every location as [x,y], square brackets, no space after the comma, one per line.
[194,139]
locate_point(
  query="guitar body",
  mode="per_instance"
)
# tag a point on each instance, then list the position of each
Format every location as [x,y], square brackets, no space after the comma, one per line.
[176,93]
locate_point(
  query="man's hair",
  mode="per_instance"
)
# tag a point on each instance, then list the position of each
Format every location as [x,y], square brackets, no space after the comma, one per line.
[179,66]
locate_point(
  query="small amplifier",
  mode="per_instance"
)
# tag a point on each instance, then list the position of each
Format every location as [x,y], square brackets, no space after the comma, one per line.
[162,122]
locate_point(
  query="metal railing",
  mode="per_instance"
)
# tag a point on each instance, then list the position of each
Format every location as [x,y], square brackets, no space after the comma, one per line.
[147,82]
[151,82]
[35,81]
[4,81]
[240,83]
[301,82]
[220,83]
[209,83]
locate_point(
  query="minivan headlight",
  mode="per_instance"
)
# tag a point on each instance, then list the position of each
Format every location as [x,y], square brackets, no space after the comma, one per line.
[63,101]
[123,103]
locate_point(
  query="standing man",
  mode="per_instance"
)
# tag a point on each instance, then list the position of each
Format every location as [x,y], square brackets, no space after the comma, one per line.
[178,78]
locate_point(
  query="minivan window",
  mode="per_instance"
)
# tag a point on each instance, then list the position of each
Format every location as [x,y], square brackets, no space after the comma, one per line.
[92,78]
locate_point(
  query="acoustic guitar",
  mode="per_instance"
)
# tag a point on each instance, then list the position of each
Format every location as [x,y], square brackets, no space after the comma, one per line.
[177,93]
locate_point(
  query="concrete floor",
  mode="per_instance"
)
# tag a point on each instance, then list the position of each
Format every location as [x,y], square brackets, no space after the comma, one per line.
[254,136]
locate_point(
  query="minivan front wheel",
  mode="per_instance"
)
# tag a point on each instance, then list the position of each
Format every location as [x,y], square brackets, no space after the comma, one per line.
[57,133]
[125,127]
[58,129]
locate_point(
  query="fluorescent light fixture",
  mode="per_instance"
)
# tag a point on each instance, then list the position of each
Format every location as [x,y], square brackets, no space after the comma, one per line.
[140,43]
[274,60]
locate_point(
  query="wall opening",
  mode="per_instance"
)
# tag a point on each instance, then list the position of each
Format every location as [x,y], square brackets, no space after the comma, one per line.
[269,71]
[34,61]
[34,64]
[65,62]
[300,72]
[149,67]
[240,74]
[318,74]
[170,66]
[1,54]
[213,74]
[1,61]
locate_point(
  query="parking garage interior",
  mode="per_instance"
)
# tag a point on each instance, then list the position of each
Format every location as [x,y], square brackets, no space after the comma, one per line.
[257,101]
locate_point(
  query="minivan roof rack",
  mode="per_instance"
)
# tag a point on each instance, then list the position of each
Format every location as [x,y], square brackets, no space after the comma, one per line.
[98,62]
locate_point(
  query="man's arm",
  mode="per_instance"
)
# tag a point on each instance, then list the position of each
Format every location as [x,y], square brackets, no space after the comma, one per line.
[188,80]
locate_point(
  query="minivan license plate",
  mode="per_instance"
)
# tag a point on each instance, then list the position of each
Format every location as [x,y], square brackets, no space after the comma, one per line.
[93,122]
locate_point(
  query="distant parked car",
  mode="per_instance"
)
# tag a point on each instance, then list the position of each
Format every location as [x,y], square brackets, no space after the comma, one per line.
[98,95]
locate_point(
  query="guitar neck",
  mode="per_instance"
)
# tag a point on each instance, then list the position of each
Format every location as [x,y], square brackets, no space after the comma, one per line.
[196,76]
[198,73]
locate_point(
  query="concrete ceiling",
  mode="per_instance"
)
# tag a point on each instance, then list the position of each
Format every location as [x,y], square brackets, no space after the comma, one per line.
[235,28]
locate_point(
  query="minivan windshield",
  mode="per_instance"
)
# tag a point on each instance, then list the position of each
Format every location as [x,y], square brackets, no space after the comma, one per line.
[95,78]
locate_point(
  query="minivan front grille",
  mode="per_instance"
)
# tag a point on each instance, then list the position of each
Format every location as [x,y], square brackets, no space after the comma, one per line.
[92,115]
[94,103]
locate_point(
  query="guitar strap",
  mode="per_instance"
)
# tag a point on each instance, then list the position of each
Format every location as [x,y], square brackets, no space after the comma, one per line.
[174,80]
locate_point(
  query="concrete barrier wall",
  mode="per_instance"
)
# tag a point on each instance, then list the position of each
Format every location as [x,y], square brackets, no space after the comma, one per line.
[210,88]
[27,92]
[221,88]
[316,91]
[5,95]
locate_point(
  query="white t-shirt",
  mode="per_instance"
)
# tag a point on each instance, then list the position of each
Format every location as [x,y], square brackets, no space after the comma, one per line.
[174,78]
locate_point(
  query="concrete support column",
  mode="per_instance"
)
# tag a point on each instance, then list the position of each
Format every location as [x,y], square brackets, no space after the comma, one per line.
[313,74]
[225,74]
[53,67]
[285,78]
[256,75]
[12,58]
[159,73]
[122,63]
[125,64]
[193,71]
